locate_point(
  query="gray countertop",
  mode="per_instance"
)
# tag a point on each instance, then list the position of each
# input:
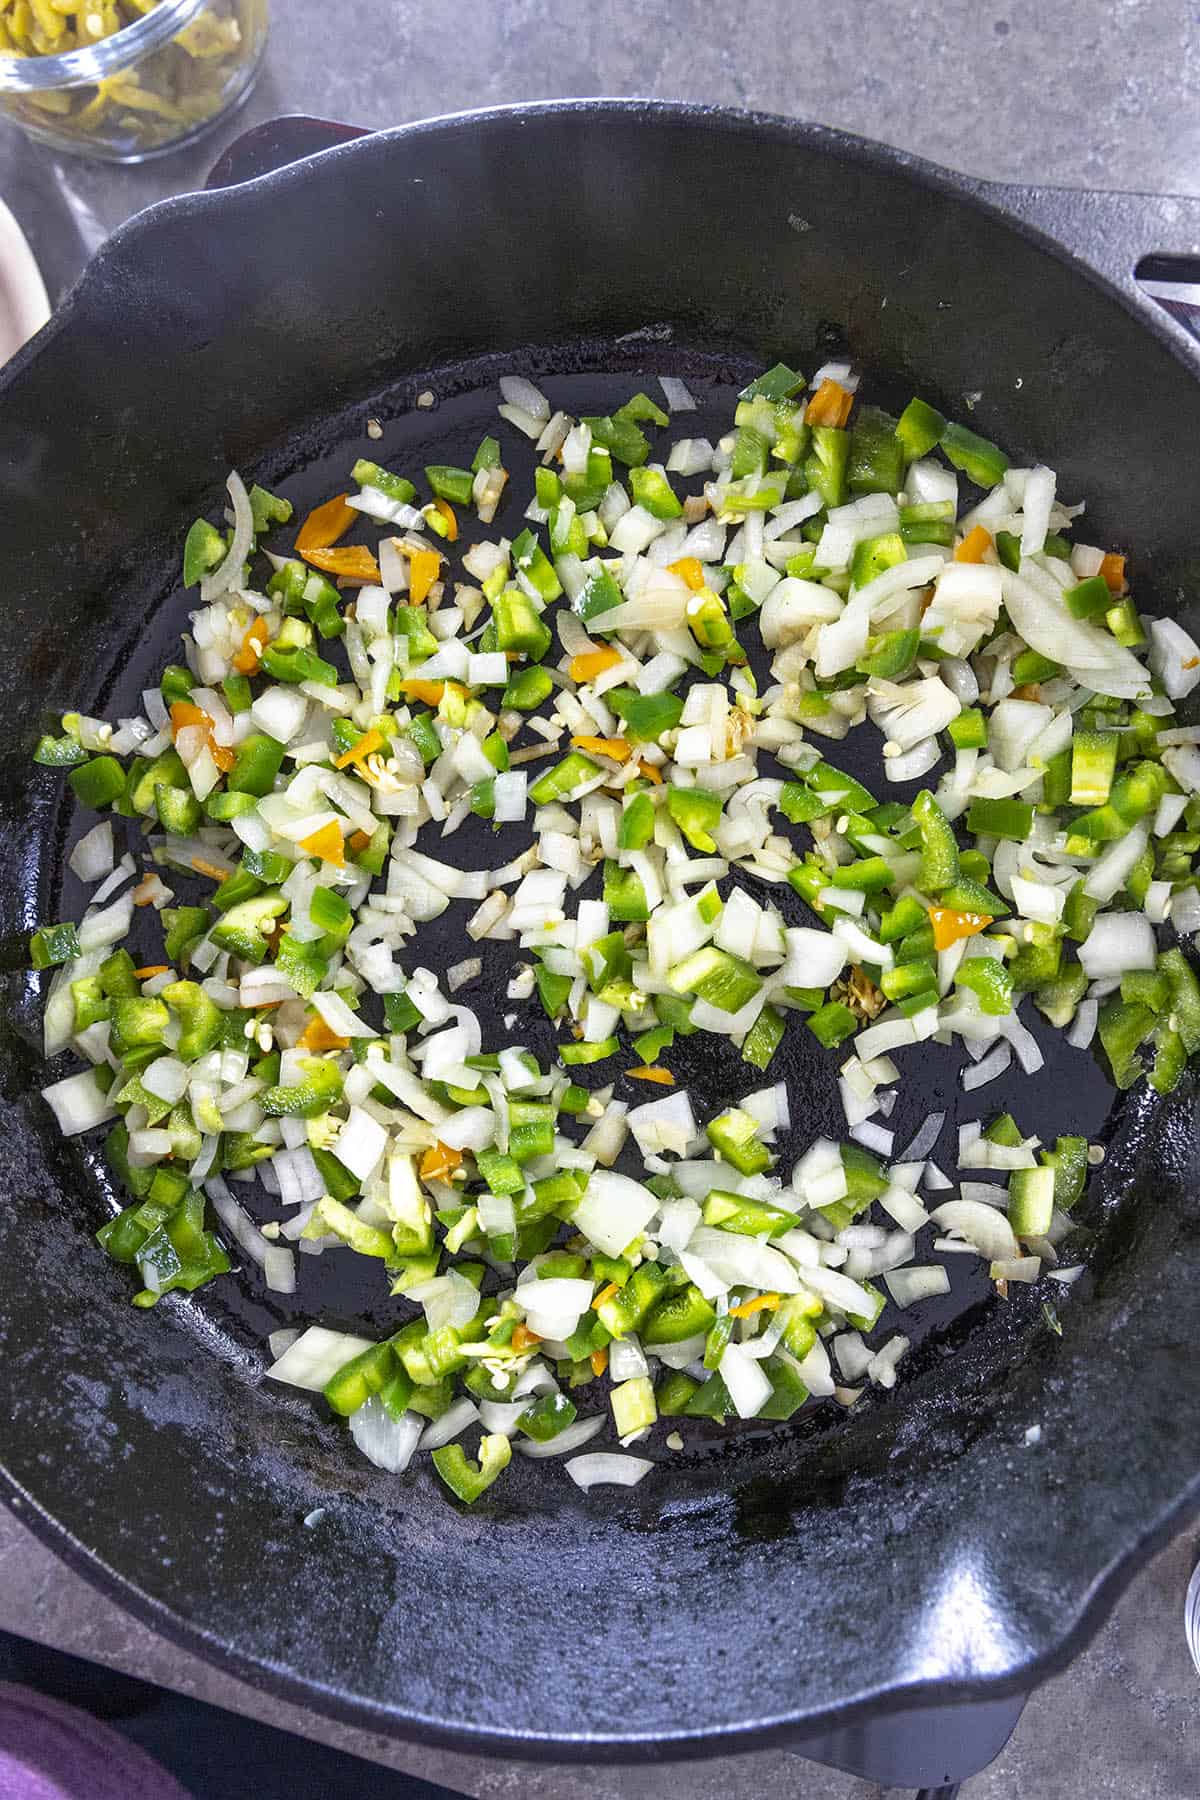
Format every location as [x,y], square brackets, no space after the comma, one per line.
[1069,93]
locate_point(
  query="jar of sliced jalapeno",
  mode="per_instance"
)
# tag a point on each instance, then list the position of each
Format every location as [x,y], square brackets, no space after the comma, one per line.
[123,80]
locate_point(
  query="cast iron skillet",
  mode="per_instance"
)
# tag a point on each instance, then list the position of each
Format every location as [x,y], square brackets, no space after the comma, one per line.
[922,1548]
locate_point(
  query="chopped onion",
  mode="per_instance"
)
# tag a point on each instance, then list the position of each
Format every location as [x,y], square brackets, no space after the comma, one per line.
[992,1065]
[607,1467]
[316,1356]
[519,392]
[676,394]
[907,1286]
[987,1231]
[92,857]
[387,1442]
[1174,657]
[924,1141]
[571,1437]
[613,1212]
[228,573]
[1117,944]
[749,1388]
[339,1017]
[78,1103]
[452,1424]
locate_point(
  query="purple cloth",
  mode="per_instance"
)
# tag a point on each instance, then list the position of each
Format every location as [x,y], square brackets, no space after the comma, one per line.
[49,1751]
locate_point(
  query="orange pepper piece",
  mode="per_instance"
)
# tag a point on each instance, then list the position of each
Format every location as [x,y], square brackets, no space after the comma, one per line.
[451,518]
[949,926]
[974,546]
[248,658]
[590,663]
[688,567]
[616,747]
[325,525]
[439,1162]
[184,715]
[1112,572]
[352,562]
[655,1072]
[357,841]
[524,1339]
[149,970]
[650,771]
[760,1303]
[830,405]
[369,742]
[606,1293]
[429,691]
[318,1036]
[210,869]
[599,1361]
[328,844]
[423,567]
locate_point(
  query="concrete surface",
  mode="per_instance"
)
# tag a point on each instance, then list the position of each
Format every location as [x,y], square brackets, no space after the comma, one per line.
[1068,92]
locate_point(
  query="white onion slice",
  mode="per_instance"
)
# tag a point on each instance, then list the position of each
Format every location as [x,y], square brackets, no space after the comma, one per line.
[607,1467]
[571,1437]
[388,1443]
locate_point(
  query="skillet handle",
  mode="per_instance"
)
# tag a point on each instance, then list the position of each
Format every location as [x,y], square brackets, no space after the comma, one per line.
[274,144]
[1140,243]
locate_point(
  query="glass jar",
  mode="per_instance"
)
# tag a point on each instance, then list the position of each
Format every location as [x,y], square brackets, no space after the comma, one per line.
[147,88]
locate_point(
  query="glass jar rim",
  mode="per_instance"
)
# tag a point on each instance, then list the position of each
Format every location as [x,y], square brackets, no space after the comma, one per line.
[95,62]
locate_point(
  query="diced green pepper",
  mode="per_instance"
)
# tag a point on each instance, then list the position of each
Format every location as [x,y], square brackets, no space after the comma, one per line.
[370,474]
[825,467]
[257,761]
[636,829]
[561,782]
[980,461]
[763,1038]
[1000,818]
[203,550]
[876,461]
[1060,998]
[364,1375]
[98,782]
[467,1480]
[625,894]
[1123,1029]
[891,655]
[776,383]
[449,483]
[990,981]
[735,1135]
[939,847]
[832,1024]
[696,811]
[51,945]
[1093,765]
[652,491]
[716,977]
[919,429]
[645,717]
[1088,598]
[267,509]
[1031,1201]
[320,1089]
[1185,997]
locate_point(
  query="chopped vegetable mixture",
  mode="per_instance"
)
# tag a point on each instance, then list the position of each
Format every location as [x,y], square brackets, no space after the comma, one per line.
[357,683]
